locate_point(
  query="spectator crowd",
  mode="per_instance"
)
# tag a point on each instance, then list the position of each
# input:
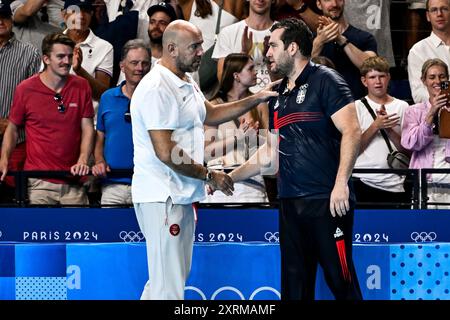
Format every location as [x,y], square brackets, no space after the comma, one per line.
[68,71]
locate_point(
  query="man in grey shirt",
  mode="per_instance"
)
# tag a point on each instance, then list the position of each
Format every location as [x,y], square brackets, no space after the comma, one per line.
[18,61]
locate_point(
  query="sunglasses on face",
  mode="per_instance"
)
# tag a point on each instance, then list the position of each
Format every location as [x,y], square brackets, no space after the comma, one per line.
[59,100]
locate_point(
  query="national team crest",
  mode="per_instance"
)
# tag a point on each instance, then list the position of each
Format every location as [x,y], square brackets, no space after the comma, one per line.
[301,93]
[174,229]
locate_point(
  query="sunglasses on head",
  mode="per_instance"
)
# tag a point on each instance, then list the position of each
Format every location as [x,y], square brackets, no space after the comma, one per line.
[127,115]
[59,100]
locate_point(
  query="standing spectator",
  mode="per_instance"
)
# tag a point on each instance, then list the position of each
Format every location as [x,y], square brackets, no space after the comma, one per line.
[420,133]
[233,142]
[247,36]
[168,112]
[56,110]
[319,138]
[31,21]
[344,44]
[13,71]
[435,46]
[374,150]
[114,144]
[92,57]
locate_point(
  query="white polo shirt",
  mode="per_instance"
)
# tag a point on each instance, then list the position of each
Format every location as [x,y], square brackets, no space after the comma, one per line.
[97,55]
[162,101]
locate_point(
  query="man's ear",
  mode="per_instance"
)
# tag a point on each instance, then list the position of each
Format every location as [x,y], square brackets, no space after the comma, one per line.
[172,48]
[293,49]
[45,59]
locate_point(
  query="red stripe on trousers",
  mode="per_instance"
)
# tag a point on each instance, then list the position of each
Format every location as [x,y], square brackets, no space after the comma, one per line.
[340,244]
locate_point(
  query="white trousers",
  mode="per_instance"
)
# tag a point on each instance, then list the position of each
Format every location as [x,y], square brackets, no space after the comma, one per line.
[169,235]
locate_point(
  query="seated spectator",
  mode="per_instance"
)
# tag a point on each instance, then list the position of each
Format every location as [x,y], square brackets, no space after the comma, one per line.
[370,187]
[232,143]
[56,110]
[13,71]
[420,133]
[114,143]
[92,57]
[31,23]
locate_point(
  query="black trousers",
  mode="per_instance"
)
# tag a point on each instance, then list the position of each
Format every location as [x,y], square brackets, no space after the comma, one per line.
[309,236]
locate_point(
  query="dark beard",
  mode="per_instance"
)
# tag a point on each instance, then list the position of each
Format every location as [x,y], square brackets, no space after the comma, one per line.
[157,40]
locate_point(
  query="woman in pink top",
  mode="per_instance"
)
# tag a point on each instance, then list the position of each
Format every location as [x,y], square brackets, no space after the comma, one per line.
[420,133]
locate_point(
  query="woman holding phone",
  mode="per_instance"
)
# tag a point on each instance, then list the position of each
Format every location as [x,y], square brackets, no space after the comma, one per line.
[420,133]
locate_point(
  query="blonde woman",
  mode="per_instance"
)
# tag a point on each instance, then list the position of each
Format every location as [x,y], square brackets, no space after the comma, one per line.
[420,134]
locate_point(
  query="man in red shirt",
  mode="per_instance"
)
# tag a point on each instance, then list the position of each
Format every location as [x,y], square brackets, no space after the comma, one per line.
[56,110]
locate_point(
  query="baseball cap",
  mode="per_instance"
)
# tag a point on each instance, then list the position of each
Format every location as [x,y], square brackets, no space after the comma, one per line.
[87,4]
[164,7]
[5,9]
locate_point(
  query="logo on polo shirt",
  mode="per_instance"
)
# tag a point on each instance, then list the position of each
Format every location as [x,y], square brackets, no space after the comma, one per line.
[301,93]
[73,105]
[275,107]
[174,229]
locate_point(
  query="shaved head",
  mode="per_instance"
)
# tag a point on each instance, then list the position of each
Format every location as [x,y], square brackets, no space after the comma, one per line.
[179,30]
[182,46]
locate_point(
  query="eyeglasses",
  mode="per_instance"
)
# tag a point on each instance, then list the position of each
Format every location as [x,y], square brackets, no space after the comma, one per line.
[59,100]
[435,10]
[127,115]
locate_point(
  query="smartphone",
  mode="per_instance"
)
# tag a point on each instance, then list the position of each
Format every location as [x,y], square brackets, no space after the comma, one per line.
[445,88]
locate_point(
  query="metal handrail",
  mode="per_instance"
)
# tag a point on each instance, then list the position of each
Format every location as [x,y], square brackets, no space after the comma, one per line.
[419,195]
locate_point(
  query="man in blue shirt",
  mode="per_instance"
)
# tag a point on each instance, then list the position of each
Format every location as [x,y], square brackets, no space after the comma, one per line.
[114,143]
[318,141]
[343,44]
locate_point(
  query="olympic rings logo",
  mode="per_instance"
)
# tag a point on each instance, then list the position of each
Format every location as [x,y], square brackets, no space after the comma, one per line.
[423,236]
[272,237]
[234,290]
[131,236]
[262,82]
